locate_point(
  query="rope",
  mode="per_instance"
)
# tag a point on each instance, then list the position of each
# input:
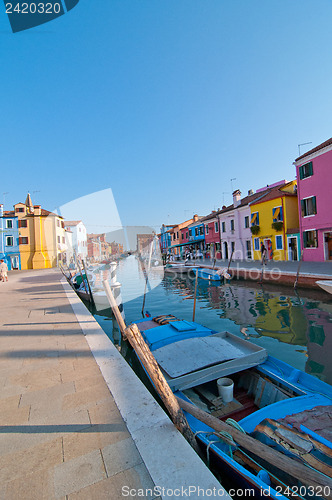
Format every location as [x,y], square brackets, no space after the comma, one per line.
[235,424]
[222,436]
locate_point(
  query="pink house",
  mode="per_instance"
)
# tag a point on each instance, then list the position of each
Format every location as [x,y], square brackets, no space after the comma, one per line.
[212,235]
[314,184]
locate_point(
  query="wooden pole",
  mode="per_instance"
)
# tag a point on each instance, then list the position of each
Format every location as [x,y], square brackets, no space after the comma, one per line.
[230,261]
[80,271]
[195,294]
[143,352]
[147,276]
[296,469]
[150,364]
[298,270]
[88,282]
[114,306]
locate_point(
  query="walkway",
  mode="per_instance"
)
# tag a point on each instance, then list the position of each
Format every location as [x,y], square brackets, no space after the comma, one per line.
[62,435]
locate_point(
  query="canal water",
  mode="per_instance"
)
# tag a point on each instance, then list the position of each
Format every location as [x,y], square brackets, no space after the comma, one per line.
[294,327]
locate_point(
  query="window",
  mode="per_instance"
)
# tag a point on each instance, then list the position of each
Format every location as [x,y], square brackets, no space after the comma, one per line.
[216,227]
[256,244]
[233,246]
[246,221]
[232,225]
[58,239]
[207,229]
[279,245]
[217,247]
[196,231]
[310,239]
[177,235]
[255,219]
[277,214]
[58,223]
[182,236]
[248,246]
[187,235]
[190,232]
[9,223]
[22,223]
[308,206]
[223,227]
[23,240]
[306,170]
[201,230]
[9,241]
[19,209]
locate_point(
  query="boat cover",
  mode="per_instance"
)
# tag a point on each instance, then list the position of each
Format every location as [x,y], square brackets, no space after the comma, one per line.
[193,354]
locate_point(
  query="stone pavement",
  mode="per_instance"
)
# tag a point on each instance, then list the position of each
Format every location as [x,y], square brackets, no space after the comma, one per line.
[321,269]
[61,433]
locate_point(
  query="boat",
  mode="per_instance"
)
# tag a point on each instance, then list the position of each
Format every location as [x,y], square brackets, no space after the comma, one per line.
[272,401]
[325,285]
[211,274]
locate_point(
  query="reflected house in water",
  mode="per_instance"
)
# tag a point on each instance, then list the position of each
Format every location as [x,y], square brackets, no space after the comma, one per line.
[319,345]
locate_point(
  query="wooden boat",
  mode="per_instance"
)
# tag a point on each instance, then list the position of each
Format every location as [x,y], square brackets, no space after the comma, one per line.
[325,285]
[272,401]
[211,274]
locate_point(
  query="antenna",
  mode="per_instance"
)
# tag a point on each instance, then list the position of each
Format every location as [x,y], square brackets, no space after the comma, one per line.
[303,144]
[234,179]
[4,197]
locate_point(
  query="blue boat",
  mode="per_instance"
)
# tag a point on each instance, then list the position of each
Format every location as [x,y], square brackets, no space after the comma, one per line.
[277,404]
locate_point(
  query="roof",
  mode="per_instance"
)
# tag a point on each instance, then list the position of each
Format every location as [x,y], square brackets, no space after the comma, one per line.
[243,202]
[72,222]
[9,213]
[273,193]
[317,148]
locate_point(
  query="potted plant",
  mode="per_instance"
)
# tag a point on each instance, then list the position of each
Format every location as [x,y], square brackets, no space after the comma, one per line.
[277,226]
[255,229]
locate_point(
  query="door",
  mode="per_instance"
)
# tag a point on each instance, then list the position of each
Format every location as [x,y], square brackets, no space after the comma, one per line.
[268,246]
[225,250]
[328,246]
[292,249]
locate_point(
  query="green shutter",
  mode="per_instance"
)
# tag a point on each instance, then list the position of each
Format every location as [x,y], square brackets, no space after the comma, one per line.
[311,168]
[301,172]
[304,239]
[314,206]
[302,208]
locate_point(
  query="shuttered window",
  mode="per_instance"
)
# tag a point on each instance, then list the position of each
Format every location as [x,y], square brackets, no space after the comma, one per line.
[255,219]
[310,239]
[308,206]
[306,170]
[277,214]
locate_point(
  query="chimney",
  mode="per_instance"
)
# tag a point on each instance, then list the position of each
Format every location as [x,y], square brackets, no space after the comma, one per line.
[250,192]
[36,210]
[1,210]
[236,198]
[195,217]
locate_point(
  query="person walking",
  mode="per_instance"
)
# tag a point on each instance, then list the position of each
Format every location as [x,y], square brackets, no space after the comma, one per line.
[263,253]
[3,271]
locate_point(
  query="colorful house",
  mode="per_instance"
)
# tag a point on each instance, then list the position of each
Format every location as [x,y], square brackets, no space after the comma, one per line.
[165,237]
[9,247]
[212,235]
[314,184]
[234,222]
[274,219]
[178,245]
[41,236]
[79,237]
[196,233]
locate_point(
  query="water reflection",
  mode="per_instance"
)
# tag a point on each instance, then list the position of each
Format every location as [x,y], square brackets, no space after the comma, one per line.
[288,318]
[295,328]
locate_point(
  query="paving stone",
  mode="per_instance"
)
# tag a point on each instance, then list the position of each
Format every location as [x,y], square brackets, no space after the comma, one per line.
[93,438]
[35,486]
[14,416]
[82,399]
[120,456]
[32,459]
[116,487]
[78,473]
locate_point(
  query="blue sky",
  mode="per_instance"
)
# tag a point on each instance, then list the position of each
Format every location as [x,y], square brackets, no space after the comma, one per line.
[163,101]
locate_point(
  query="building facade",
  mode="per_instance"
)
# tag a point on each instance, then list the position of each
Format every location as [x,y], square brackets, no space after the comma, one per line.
[41,236]
[274,214]
[314,178]
[79,238]
[9,239]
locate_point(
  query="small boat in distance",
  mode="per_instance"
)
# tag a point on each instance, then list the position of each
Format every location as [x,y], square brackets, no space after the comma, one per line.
[237,382]
[325,285]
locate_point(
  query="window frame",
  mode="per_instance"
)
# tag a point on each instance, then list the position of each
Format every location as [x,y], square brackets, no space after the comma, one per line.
[256,245]
[278,237]
[246,221]
[9,237]
[216,227]
[305,238]
[302,170]
[304,205]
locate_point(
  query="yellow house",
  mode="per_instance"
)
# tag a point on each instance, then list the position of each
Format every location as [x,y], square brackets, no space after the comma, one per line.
[41,236]
[275,222]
